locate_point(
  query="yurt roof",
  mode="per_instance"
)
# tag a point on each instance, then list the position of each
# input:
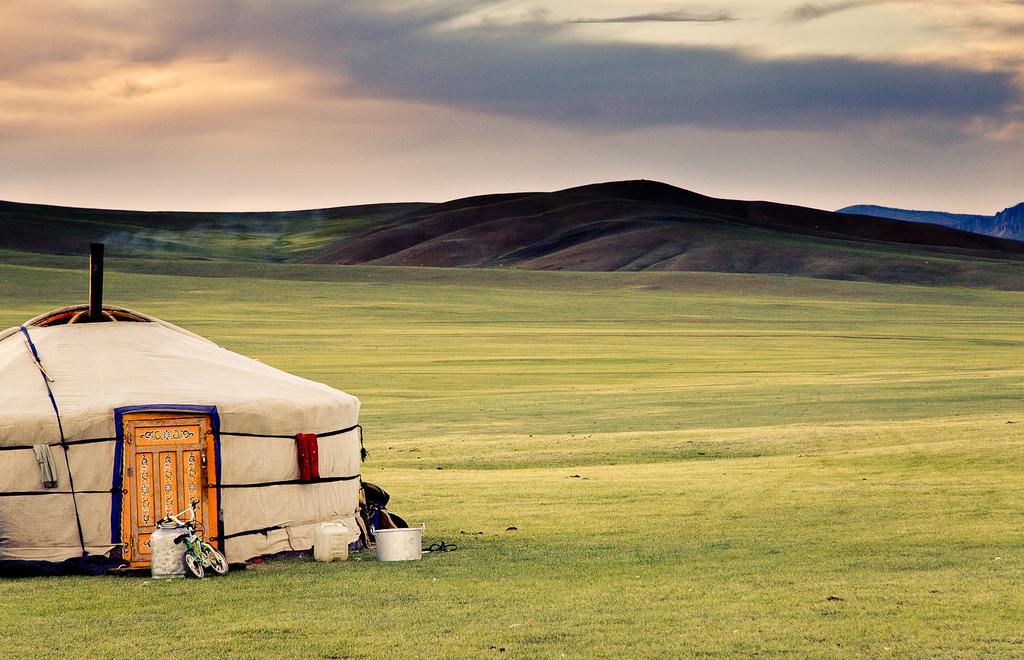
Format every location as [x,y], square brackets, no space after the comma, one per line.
[86,370]
[80,314]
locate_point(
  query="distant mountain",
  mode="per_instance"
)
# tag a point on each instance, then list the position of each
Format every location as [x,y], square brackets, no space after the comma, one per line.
[1008,223]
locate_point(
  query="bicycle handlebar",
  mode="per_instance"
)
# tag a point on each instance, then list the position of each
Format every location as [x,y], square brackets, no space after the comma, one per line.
[175,516]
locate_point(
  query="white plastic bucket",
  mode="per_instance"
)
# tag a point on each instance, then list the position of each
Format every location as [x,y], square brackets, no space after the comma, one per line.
[399,544]
[166,557]
[330,542]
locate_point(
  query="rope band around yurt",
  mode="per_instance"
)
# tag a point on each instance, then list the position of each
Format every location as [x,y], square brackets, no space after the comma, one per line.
[63,441]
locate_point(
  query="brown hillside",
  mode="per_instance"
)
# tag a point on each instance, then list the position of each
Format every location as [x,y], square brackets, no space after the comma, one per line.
[645,225]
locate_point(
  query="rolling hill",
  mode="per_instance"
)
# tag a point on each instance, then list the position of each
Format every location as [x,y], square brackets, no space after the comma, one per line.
[617,226]
[286,236]
[630,225]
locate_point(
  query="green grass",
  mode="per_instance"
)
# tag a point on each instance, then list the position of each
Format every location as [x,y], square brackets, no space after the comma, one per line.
[695,465]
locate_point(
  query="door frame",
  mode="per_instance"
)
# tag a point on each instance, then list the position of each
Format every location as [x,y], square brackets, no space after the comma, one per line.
[125,493]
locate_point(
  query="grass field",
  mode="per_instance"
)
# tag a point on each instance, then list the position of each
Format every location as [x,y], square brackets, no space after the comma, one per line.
[632,465]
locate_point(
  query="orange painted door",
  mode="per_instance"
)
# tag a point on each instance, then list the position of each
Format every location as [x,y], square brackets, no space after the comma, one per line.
[169,461]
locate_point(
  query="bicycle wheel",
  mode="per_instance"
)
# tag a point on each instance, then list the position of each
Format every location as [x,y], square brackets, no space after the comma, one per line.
[194,565]
[216,560]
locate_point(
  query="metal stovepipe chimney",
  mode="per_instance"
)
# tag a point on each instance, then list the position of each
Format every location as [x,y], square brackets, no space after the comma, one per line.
[95,282]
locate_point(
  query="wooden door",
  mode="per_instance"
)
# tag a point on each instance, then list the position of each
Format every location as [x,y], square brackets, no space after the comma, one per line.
[168,461]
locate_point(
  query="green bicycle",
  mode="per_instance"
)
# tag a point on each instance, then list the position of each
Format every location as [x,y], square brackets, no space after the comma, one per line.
[199,555]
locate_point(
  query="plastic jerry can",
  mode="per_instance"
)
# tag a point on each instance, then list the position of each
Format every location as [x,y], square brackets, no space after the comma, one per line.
[330,542]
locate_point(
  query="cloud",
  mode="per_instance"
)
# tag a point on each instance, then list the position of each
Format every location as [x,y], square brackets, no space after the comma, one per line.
[680,16]
[530,71]
[814,10]
[638,85]
[407,51]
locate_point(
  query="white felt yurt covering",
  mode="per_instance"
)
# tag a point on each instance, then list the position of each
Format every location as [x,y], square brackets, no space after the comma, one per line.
[64,389]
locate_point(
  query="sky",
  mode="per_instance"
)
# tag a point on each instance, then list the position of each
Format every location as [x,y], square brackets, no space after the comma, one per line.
[243,105]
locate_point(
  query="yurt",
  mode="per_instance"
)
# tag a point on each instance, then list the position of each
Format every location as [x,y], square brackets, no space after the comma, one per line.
[109,421]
